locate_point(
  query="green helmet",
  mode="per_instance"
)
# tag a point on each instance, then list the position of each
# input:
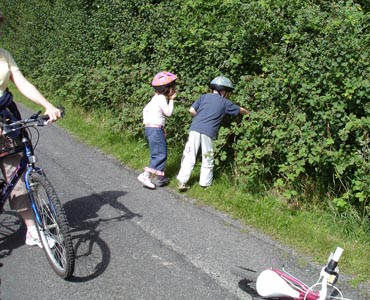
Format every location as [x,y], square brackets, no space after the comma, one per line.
[221,83]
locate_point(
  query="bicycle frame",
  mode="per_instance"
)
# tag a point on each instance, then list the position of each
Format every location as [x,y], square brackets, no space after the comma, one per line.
[279,284]
[24,168]
[51,222]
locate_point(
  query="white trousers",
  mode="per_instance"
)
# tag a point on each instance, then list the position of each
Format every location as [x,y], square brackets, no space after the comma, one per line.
[189,157]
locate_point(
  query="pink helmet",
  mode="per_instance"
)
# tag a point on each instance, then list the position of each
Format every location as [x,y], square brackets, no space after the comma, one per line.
[163,78]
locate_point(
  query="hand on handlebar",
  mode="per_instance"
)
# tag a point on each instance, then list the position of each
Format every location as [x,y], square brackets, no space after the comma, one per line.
[53,113]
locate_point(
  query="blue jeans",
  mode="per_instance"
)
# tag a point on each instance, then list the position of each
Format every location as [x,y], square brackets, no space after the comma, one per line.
[158,150]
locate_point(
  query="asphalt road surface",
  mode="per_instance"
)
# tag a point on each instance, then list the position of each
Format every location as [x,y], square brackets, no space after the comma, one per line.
[132,243]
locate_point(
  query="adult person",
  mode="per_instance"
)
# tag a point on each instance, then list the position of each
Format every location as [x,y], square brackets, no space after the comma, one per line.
[9,71]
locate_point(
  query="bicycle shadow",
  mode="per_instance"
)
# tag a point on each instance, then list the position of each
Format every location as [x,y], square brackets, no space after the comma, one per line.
[12,233]
[249,286]
[248,281]
[92,252]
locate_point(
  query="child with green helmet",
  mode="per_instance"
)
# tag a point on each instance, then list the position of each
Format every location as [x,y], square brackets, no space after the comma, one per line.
[207,111]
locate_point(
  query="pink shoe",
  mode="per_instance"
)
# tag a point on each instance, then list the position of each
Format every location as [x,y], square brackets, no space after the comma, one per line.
[146,181]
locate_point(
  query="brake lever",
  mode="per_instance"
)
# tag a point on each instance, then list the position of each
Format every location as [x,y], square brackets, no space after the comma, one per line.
[35,115]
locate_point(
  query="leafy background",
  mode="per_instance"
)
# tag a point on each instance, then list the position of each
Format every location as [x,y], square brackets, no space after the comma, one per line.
[302,68]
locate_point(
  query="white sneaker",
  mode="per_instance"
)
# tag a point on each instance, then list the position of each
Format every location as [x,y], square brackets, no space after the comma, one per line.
[183,187]
[32,239]
[146,181]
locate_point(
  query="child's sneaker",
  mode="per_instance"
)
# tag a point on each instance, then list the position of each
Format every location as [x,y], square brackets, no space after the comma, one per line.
[162,181]
[183,187]
[146,181]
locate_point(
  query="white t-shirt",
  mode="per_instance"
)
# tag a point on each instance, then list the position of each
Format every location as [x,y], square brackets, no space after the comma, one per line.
[156,111]
[7,66]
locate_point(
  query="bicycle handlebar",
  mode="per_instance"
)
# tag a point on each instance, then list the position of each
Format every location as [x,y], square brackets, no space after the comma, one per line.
[330,272]
[333,263]
[35,118]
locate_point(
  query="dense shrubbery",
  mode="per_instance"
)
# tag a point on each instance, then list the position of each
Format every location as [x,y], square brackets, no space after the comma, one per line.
[302,67]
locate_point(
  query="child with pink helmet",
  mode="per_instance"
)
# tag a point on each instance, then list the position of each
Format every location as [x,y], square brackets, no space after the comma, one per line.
[154,119]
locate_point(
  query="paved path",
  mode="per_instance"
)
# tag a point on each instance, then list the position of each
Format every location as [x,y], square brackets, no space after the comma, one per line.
[134,243]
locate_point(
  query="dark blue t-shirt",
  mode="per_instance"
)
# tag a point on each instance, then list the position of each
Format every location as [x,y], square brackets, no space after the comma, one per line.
[210,109]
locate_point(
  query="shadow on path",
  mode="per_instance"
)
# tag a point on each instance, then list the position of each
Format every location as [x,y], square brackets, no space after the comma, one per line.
[92,252]
[12,233]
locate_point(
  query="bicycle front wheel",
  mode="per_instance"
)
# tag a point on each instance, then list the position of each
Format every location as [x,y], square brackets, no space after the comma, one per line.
[52,226]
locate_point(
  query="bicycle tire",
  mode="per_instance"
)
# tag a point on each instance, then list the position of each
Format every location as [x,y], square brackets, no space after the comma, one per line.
[51,223]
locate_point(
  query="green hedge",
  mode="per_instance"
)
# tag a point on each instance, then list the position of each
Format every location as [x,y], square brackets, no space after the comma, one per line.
[301,67]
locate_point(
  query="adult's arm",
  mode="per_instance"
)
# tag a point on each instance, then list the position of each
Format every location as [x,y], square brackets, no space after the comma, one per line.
[33,94]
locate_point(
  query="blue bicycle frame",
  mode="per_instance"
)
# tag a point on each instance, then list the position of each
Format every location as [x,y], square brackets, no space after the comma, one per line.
[51,222]
[25,167]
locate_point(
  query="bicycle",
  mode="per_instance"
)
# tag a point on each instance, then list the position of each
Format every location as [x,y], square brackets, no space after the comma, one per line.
[51,221]
[279,284]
